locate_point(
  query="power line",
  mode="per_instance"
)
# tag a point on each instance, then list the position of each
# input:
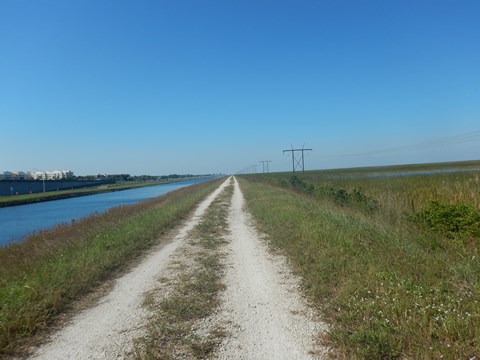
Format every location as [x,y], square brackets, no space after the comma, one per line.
[243,171]
[449,140]
[297,163]
[265,165]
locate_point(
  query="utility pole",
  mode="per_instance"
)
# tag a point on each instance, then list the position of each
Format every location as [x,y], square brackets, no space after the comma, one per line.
[244,171]
[265,165]
[296,162]
[254,168]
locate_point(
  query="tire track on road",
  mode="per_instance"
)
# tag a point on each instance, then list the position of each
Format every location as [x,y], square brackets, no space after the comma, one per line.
[269,319]
[106,330]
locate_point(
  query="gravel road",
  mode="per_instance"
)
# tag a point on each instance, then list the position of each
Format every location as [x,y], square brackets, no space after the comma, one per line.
[268,318]
[106,330]
[265,316]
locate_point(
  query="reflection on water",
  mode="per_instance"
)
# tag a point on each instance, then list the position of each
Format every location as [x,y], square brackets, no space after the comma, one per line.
[18,221]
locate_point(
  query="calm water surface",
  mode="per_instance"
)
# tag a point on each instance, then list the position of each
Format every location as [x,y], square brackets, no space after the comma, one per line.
[16,222]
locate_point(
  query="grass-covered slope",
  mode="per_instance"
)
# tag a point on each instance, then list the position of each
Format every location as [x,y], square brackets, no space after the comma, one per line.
[41,276]
[389,286]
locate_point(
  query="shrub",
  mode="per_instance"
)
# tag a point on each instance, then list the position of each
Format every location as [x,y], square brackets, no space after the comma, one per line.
[344,198]
[300,185]
[451,220]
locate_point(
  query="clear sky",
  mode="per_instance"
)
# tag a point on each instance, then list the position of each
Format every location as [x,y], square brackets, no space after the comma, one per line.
[200,86]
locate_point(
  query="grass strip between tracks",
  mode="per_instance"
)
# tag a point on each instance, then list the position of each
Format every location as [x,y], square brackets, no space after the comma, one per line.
[176,330]
[42,276]
[387,292]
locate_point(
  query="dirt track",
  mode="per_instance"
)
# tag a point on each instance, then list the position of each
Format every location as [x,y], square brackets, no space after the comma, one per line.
[266,316]
[262,302]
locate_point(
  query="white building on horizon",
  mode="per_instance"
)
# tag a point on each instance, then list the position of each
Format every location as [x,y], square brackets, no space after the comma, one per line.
[37,175]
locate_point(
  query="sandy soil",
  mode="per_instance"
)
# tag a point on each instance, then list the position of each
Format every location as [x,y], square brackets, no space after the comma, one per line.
[106,330]
[268,318]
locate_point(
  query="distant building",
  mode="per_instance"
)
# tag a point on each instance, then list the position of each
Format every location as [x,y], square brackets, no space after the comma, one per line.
[37,175]
[59,174]
[54,175]
[7,175]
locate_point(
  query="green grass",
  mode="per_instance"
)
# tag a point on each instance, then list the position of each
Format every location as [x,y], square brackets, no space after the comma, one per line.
[171,333]
[13,200]
[40,277]
[389,286]
[396,195]
[454,221]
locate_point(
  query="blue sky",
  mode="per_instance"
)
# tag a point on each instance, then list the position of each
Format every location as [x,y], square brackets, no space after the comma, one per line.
[158,87]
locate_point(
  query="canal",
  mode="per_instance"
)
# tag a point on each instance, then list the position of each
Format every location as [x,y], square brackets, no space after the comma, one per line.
[17,222]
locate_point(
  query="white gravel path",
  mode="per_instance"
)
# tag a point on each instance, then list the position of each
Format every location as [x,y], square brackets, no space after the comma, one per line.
[106,330]
[265,316]
[268,317]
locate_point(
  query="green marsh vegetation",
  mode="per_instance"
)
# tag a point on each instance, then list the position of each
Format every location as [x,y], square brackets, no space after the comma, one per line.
[392,261]
[41,277]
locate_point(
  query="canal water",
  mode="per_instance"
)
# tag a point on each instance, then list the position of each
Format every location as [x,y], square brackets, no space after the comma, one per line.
[17,222]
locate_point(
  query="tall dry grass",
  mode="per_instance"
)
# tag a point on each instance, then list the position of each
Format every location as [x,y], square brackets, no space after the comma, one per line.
[390,287]
[399,190]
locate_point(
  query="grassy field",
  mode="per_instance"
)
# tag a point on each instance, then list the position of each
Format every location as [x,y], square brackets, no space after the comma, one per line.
[13,200]
[391,261]
[42,276]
